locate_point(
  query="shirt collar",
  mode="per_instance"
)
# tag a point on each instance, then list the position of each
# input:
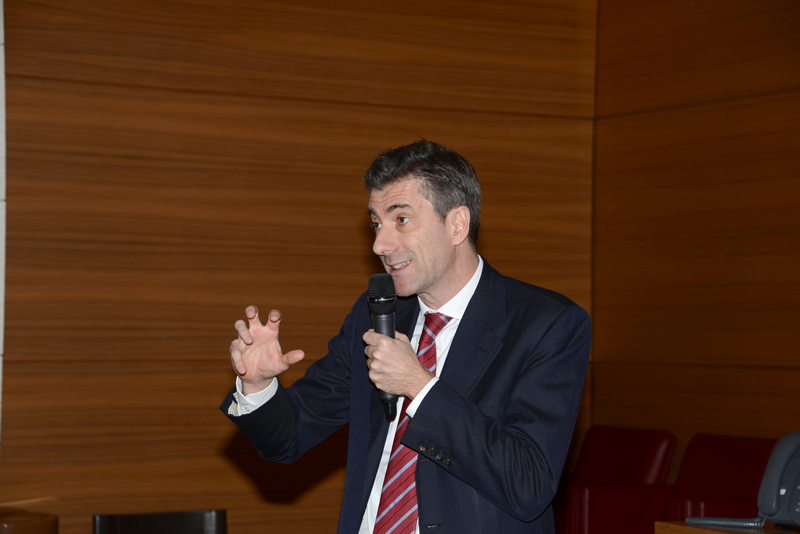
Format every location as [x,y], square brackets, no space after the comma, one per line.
[456,306]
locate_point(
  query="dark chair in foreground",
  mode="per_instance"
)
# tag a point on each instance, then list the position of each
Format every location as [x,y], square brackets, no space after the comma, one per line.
[720,477]
[618,483]
[196,522]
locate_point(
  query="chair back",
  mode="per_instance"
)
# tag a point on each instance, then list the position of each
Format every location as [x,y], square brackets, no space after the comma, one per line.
[612,456]
[720,477]
[615,465]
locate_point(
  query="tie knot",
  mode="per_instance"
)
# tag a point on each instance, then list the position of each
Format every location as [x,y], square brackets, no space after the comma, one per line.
[435,322]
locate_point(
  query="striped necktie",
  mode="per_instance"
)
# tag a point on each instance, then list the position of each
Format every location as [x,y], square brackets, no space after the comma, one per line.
[397,511]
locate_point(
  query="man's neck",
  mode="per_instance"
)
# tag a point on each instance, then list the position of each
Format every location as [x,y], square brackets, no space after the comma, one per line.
[462,272]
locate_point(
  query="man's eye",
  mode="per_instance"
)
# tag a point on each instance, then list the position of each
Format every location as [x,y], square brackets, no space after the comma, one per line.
[376,225]
[403,220]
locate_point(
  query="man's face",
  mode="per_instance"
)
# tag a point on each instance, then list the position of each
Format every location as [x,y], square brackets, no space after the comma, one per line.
[416,247]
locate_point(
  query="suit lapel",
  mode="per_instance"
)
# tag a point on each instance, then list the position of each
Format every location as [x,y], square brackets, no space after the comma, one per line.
[407,312]
[476,345]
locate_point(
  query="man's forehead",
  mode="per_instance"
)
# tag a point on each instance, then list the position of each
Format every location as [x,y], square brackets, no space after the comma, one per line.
[404,193]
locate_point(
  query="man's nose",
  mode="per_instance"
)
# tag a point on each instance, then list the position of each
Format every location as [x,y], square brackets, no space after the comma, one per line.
[385,242]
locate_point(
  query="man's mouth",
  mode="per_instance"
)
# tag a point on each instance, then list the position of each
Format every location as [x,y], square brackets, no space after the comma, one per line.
[398,266]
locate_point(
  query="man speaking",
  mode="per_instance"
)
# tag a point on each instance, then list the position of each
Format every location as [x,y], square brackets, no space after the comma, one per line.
[488,370]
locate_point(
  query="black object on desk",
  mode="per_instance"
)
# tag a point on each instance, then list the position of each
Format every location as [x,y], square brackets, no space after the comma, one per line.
[195,522]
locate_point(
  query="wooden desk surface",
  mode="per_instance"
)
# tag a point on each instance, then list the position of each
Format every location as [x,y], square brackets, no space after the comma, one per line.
[680,527]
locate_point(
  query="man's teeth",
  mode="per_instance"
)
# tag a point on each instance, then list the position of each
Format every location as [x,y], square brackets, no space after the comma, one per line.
[401,265]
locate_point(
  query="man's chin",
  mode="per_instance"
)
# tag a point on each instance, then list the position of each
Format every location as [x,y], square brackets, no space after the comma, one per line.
[401,289]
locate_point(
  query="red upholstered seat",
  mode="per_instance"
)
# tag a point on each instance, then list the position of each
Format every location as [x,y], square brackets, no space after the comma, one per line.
[618,483]
[720,477]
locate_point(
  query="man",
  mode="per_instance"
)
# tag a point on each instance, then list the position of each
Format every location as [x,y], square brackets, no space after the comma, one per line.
[492,395]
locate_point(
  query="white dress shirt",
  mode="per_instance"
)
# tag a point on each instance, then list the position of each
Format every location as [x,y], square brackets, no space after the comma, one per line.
[454,308]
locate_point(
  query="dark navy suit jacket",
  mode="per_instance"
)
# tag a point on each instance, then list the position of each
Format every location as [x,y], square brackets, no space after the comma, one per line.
[493,433]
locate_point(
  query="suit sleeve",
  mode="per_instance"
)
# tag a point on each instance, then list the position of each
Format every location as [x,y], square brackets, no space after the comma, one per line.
[508,438]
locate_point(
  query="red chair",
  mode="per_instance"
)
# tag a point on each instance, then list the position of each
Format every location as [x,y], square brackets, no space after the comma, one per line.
[618,482]
[720,477]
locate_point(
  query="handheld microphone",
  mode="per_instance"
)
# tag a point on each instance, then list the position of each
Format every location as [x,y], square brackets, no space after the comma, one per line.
[382,305]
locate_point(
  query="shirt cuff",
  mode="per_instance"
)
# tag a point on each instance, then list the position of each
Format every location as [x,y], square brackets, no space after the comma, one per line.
[412,407]
[249,403]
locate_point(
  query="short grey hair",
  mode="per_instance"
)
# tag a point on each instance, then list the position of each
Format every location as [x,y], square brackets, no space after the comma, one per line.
[445,178]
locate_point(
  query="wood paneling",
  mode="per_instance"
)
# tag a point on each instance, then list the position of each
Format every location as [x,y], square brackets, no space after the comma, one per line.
[531,57]
[687,399]
[697,217]
[656,54]
[184,219]
[697,234]
[109,436]
[141,221]
[171,162]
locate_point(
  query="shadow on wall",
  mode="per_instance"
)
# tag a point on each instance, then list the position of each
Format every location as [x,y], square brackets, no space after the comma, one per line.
[285,483]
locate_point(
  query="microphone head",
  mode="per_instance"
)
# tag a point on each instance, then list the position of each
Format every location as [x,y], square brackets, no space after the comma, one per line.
[381,297]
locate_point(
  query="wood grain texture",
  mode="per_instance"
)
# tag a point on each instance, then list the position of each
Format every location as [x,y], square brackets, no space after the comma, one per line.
[688,399]
[141,221]
[170,162]
[697,217]
[126,437]
[186,207]
[697,235]
[531,57]
[657,54]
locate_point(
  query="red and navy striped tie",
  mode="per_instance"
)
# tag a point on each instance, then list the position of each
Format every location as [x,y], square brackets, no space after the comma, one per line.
[397,511]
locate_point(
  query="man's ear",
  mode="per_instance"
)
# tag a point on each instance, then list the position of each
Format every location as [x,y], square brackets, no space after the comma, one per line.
[459,224]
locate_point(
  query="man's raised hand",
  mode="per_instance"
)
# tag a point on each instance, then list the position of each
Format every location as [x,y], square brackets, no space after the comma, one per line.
[256,354]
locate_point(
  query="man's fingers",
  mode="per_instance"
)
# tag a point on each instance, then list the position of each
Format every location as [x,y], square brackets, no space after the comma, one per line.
[252,316]
[243,331]
[370,337]
[260,342]
[293,356]
[236,358]
[274,320]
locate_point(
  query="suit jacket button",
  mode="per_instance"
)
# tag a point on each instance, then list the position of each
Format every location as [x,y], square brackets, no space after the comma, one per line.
[446,461]
[431,451]
[439,456]
[423,446]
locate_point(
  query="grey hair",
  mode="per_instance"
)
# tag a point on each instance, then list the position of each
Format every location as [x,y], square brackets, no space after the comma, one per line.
[445,178]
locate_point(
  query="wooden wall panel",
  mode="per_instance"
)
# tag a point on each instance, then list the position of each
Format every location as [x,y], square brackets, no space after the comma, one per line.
[530,57]
[184,219]
[697,235]
[656,54]
[687,399]
[141,222]
[171,162]
[696,229]
[117,436]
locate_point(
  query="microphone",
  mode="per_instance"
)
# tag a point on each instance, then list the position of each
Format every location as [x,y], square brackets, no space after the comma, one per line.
[382,305]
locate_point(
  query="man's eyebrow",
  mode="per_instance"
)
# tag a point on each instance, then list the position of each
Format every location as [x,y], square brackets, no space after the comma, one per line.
[390,209]
[398,206]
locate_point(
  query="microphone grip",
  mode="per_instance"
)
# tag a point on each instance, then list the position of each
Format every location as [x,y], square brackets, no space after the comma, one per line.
[384,324]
